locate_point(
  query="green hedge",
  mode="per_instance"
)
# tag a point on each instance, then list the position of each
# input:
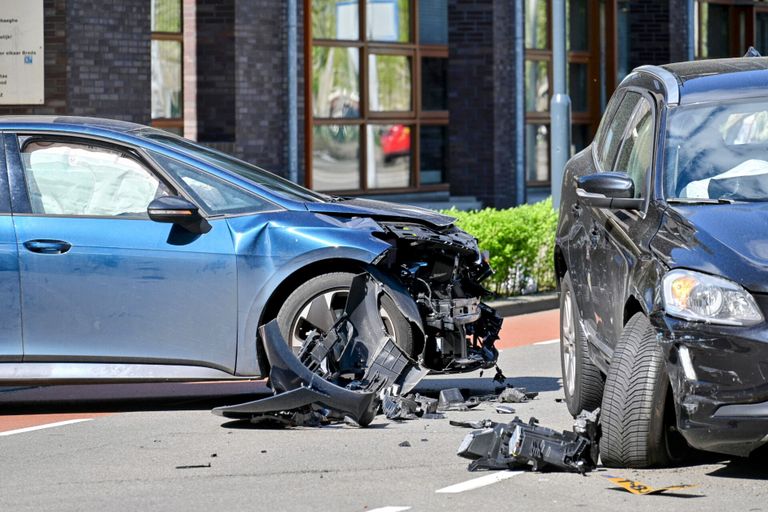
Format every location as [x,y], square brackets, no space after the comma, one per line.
[520,242]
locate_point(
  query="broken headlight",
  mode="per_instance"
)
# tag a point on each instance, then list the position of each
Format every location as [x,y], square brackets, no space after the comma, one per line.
[704,298]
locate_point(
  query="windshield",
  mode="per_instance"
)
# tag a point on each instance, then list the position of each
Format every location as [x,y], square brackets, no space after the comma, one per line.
[718,152]
[272,182]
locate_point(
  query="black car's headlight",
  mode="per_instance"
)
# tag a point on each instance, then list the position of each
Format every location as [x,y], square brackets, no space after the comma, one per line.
[704,298]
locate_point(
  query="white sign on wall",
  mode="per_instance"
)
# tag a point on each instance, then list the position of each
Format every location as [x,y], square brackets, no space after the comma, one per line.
[22,69]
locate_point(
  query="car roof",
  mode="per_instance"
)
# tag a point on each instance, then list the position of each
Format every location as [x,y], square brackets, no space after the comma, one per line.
[67,123]
[712,80]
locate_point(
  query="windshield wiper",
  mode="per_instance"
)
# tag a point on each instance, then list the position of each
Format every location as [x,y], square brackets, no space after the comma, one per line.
[700,200]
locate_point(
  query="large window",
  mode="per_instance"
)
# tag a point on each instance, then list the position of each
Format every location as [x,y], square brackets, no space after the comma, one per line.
[377,95]
[167,58]
[583,80]
[727,28]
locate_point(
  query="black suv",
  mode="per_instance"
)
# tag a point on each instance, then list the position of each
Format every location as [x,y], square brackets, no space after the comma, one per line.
[662,256]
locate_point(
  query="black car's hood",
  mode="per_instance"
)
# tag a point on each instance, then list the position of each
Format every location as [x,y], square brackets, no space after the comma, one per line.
[730,240]
[381,209]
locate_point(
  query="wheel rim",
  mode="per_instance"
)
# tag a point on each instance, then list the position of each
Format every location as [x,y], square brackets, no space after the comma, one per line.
[321,312]
[568,345]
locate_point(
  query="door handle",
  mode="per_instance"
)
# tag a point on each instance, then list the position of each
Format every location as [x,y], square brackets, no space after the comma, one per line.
[47,246]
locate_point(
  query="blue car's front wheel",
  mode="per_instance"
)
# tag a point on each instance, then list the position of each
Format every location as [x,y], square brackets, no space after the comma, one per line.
[319,302]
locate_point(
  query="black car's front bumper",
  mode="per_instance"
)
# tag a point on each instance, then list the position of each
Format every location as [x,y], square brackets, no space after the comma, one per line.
[719,376]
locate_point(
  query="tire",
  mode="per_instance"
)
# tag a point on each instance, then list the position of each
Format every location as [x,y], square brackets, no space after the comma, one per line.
[637,420]
[582,380]
[332,288]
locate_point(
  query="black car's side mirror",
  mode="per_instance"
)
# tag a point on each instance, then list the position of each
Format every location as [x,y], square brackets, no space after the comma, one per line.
[608,190]
[177,210]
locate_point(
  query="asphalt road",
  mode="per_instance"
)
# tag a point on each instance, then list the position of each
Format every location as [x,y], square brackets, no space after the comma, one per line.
[179,456]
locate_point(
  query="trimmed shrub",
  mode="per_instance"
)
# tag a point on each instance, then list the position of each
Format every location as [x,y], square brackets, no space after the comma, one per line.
[520,242]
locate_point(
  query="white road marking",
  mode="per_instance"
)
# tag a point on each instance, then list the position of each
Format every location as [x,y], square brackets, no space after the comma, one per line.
[41,427]
[390,509]
[478,482]
[548,342]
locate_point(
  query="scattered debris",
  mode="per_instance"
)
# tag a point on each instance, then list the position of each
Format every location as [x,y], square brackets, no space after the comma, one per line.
[559,400]
[452,400]
[405,444]
[409,407]
[424,440]
[473,424]
[194,466]
[518,444]
[213,455]
[336,375]
[641,489]
[505,409]
[516,395]
[499,377]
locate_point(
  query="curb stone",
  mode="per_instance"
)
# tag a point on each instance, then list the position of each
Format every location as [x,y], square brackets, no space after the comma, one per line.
[525,304]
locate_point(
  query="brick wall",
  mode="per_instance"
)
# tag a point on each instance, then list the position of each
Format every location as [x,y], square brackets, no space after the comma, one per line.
[215,20]
[108,51]
[659,31]
[481,100]
[261,103]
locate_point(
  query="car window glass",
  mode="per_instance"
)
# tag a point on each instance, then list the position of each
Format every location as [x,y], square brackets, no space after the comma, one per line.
[610,110]
[272,182]
[218,196]
[718,151]
[615,130]
[73,178]
[636,154]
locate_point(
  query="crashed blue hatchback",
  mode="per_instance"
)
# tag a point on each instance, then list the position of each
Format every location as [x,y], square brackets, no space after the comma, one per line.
[131,254]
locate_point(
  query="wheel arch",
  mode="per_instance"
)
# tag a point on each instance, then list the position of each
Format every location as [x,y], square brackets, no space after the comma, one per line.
[561,266]
[289,284]
[631,307]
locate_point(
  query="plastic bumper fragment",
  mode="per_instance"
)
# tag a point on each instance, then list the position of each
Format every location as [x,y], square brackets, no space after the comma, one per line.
[361,360]
[517,444]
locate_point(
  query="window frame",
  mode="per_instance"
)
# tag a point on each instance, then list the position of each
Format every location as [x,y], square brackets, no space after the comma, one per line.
[23,138]
[589,118]
[165,123]
[414,118]
[634,121]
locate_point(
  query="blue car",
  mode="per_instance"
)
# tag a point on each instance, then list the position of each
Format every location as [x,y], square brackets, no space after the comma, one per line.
[128,253]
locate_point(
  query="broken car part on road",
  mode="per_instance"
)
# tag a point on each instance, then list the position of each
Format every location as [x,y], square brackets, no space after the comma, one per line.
[346,372]
[518,444]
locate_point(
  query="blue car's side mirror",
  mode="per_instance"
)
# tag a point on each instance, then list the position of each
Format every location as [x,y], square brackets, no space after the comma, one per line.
[177,210]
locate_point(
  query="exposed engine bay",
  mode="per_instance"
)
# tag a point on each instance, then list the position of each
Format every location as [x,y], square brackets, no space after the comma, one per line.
[434,280]
[443,271]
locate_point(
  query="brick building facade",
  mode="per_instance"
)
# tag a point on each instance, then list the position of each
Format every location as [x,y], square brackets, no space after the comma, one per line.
[468,139]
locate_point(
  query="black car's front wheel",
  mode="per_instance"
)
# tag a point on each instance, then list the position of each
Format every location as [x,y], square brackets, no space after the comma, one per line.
[582,380]
[638,424]
[319,302]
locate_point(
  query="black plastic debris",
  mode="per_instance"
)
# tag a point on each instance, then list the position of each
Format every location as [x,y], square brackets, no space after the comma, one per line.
[405,444]
[517,444]
[194,466]
[410,407]
[341,374]
[452,400]
[473,424]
